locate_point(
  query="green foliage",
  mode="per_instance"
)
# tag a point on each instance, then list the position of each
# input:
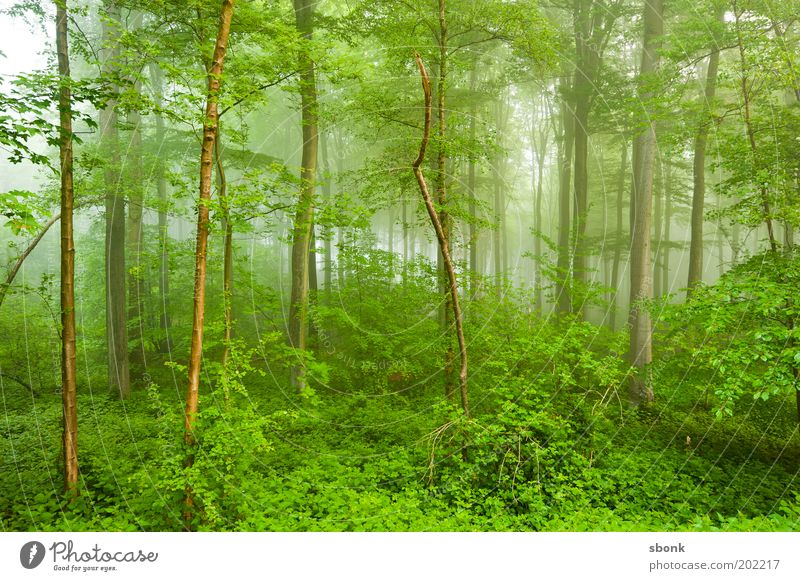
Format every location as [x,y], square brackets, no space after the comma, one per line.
[740,334]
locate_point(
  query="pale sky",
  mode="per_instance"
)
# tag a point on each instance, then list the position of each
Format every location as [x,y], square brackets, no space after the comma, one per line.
[21,45]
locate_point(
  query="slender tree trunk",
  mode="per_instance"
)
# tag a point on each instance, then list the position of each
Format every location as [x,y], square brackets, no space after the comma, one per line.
[68,332]
[567,141]
[313,282]
[618,238]
[206,166]
[12,273]
[115,271]
[440,234]
[163,231]
[390,231]
[304,216]
[581,206]
[658,222]
[227,251]
[541,153]
[641,350]
[666,283]
[134,234]
[471,188]
[696,246]
[751,134]
[441,195]
[328,194]
[592,26]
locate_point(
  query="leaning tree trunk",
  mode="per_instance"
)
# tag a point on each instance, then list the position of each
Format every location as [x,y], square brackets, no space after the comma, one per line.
[641,350]
[68,352]
[304,216]
[441,236]
[206,166]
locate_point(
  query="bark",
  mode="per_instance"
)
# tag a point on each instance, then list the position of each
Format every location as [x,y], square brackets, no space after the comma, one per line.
[68,346]
[206,166]
[440,235]
[304,216]
[119,381]
[641,352]
[699,169]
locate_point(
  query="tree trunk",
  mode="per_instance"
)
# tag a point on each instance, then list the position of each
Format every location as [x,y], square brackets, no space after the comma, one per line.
[440,234]
[134,235]
[328,194]
[592,26]
[623,170]
[304,216]
[751,134]
[119,381]
[68,332]
[567,142]
[658,222]
[540,154]
[666,283]
[641,350]
[227,252]
[696,246]
[471,188]
[206,165]
[163,232]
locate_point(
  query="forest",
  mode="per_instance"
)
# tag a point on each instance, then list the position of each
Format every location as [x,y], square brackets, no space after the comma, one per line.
[399,265]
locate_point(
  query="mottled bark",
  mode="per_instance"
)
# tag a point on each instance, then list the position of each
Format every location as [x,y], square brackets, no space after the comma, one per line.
[206,166]
[69,382]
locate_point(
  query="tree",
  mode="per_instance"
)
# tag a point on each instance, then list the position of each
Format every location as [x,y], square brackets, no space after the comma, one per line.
[119,381]
[304,213]
[68,332]
[699,163]
[644,150]
[593,23]
[441,236]
[206,167]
